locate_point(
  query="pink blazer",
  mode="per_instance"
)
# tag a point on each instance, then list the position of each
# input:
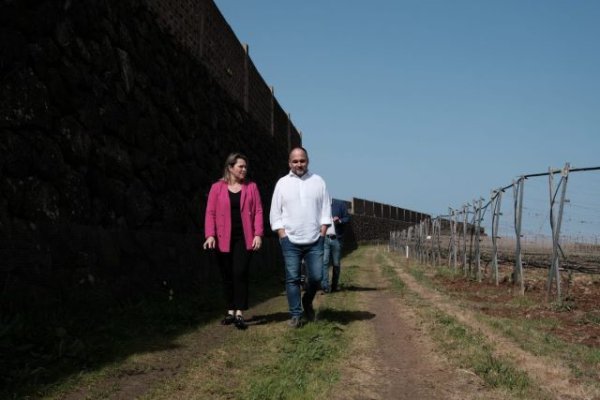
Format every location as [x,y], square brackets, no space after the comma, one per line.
[217,221]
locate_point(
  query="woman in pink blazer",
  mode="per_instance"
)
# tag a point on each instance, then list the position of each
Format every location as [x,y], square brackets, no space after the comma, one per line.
[233,224]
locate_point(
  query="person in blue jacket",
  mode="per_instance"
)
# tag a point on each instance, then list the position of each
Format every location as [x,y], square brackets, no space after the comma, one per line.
[333,245]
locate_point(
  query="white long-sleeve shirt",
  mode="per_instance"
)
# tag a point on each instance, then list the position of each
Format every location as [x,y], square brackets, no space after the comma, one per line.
[300,206]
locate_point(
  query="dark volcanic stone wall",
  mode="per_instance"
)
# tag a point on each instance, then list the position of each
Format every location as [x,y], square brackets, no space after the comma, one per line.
[110,135]
[368,229]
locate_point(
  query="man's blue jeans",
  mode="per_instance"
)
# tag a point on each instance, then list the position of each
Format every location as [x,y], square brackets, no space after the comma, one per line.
[332,249]
[293,254]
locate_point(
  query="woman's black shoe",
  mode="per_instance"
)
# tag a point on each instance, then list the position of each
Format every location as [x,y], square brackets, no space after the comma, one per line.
[228,320]
[240,323]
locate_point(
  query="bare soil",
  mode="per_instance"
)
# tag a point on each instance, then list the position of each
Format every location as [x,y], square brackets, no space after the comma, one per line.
[578,316]
[399,360]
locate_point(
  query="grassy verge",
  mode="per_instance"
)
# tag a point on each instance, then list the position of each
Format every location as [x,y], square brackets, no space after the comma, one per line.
[94,347]
[301,361]
[463,346]
[272,361]
[471,350]
[532,335]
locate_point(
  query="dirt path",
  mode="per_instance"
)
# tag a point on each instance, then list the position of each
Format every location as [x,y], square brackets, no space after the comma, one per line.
[396,359]
[391,355]
[546,373]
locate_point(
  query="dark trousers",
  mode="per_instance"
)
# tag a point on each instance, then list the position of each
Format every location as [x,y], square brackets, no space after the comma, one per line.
[234,268]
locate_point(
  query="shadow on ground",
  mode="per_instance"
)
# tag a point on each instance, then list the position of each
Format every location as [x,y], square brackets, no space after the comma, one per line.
[338,316]
[354,288]
[89,341]
[344,317]
[269,318]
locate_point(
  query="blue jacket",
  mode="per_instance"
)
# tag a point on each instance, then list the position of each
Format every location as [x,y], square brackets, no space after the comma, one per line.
[339,209]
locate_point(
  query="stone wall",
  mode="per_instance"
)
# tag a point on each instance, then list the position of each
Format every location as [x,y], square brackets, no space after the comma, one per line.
[372,221]
[201,29]
[368,229]
[110,136]
[386,211]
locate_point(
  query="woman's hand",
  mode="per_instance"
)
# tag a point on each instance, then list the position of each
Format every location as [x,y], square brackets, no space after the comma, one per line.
[256,243]
[209,243]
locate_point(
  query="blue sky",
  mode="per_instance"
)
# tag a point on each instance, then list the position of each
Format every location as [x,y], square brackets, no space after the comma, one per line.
[429,104]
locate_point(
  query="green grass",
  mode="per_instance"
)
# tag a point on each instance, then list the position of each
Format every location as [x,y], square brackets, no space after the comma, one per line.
[534,336]
[398,284]
[273,361]
[591,317]
[523,302]
[464,347]
[54,353]
[306,360]
[303,366]
[472,351]
[418,273]
[563,306]
[449,273]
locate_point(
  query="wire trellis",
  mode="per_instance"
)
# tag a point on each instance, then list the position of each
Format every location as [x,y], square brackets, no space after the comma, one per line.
[531,233]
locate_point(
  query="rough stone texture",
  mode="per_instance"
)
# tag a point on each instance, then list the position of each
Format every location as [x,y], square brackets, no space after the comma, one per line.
[110,136]
[365,228]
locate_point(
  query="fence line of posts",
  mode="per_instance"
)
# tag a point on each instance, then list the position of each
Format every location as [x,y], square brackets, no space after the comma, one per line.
[463,230]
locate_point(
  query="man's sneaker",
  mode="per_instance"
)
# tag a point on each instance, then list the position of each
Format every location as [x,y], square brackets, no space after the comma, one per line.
[240,323]
[309,311]
[295,322]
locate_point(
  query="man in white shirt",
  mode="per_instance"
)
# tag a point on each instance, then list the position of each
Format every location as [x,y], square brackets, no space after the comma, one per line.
[300,214]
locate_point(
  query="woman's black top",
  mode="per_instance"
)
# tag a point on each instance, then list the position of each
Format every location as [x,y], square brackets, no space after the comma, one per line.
[237,231]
